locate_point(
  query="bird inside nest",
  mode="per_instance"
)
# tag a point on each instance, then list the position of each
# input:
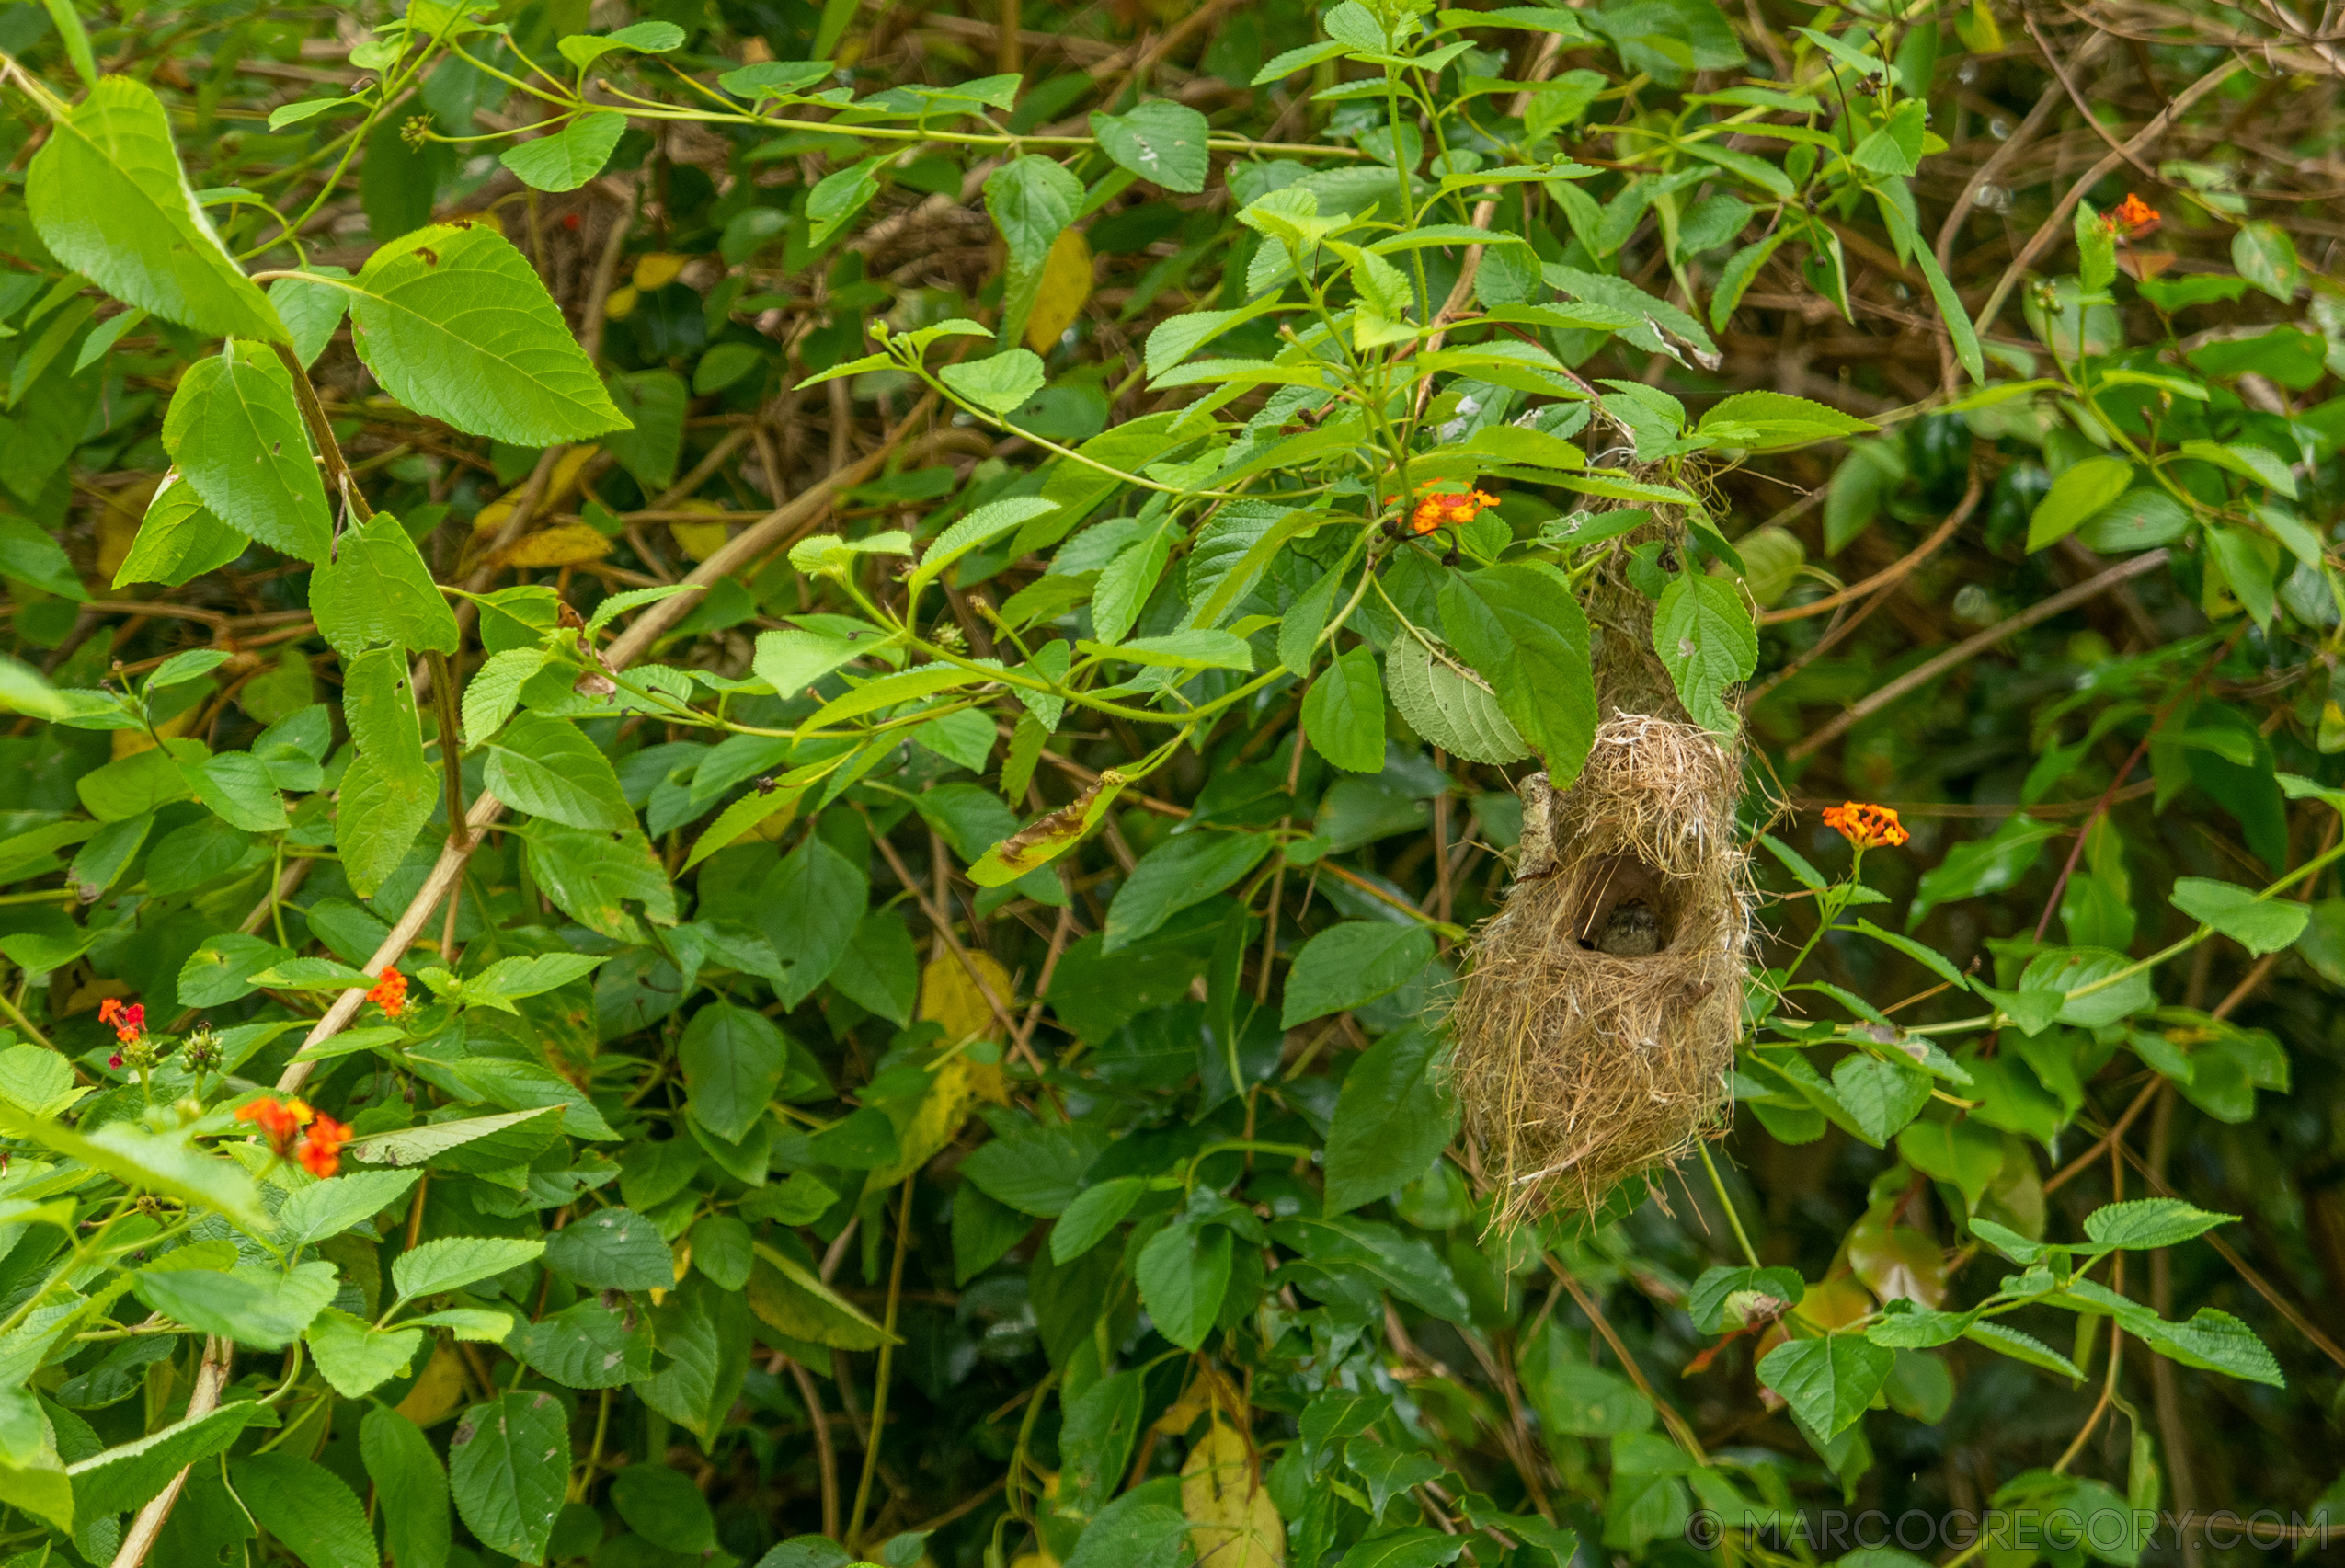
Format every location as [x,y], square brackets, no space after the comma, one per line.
[1630,930]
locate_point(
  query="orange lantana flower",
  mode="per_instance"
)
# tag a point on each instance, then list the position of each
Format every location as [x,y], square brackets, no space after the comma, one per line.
[2131,218]
[321,1148]
[1436,508]
[280,1121]
[390,993]
[1867,826]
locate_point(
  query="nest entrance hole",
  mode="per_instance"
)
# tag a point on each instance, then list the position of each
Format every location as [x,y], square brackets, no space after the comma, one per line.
[1608,882]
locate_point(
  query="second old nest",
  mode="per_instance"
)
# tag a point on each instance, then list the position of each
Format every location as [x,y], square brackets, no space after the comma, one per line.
[1595,1037]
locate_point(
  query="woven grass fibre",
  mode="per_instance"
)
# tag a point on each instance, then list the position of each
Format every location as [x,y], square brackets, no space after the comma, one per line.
[1578,1069]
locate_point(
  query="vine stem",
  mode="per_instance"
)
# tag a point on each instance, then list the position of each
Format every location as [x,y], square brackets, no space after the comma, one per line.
[887,1365]
[1750,1253]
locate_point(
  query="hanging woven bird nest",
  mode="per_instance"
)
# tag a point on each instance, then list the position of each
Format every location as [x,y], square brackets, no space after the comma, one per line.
[1598,1018]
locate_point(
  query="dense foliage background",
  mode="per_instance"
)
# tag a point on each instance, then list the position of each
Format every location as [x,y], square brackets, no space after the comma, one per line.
[1189,433]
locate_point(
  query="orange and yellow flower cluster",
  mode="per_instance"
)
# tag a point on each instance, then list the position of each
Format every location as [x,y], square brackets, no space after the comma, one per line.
[1437,509]
[293,1127]
[1867,826]
[390,993]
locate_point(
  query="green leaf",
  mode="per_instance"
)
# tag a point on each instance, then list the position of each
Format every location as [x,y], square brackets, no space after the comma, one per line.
[583,50]
[812,901]
[1393,1117]
[1930,958]
[612,1249]
[237,439]
[656,400]
[792,1297]
[379,705]
[308,1508]
[108,195]
[2080,492]
[1523,632]
[1032,201]
[1771,421]
[357,1359]
[1343,711]
[663,1506]
[1449,706]
[589,873]
[2260,463]
[1896,148]
[378,813]
[733,1060]
[454,1261]
[2266,256]
[548,768]
[1412,1546]
[128,1476]
[1725,1298]
[2258,924]
[998,384]
[454,323]
[1095,1212]
[2215,1342]
[329,1208]
[2021,1347]
[978,528]
[1182,1274]
[1187,869]
[1827,1381]
[171,1164]
[411,1487]
[569,157]
[311,312]
[486,1143]
[250,1304]
[508,1466]
[1161,141]
[179,539]
[2146,1224]
[1709,644]
[377,590]
[1881,1096]
[1351,965]
[512,980]
[588,1346]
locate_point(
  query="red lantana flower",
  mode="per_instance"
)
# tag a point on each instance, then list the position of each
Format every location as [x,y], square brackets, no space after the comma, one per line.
[1436,508]
[320,1152]
[1867,826]
[390,993]
[280,1121]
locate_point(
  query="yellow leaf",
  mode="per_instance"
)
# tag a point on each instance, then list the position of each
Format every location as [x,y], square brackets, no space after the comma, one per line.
[700,540]
[934,1123]
[948,996]
[129,742]
[565,477]
[620,305]
[1222,1496]
[1066,285]
[490,517]
[564,545]
[658,268]
[118,524]
[438,1391]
